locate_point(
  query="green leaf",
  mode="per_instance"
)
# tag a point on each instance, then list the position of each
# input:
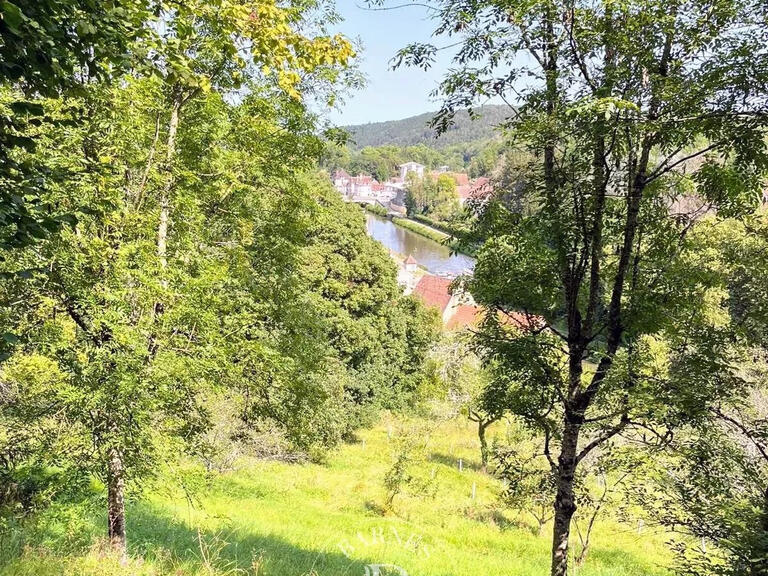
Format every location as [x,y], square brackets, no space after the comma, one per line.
[12,16]
[26,107]
[10,338]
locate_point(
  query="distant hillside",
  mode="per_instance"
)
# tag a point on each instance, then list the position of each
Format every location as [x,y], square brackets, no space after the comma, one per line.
[416,130]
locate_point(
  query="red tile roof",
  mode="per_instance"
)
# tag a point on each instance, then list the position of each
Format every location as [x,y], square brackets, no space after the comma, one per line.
[465,315]
[520,320]
[433,291]
[464,191]
[460,177]
[411,260]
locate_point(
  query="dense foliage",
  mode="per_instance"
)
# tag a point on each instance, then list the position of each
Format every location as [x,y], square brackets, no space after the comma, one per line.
[478,158]
[436,198]
[180,283]
[204,269]
[637,118]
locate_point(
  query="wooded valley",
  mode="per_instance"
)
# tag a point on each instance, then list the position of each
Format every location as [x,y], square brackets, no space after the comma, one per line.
[208,366]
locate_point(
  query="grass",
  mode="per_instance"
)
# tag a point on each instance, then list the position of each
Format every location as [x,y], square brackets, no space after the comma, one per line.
[432,233]
[277,519]
[421,229]
[376,209]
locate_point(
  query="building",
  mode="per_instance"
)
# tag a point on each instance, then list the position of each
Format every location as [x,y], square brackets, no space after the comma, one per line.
[457,309]
[478,189]
[410,264]
[415,167]
[434,291]
[464,316]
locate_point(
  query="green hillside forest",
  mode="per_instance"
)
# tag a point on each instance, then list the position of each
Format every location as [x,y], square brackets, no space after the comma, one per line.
[231,342]
[417,130]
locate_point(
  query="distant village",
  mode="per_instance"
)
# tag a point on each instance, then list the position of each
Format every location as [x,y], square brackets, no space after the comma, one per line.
[365,189]
[457,310]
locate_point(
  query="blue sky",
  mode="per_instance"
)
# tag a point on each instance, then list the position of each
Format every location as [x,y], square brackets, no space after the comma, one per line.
[389,95]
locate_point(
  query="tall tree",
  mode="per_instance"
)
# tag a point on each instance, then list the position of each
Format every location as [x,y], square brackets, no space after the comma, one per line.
[50,48]
[138,349]
[637,114]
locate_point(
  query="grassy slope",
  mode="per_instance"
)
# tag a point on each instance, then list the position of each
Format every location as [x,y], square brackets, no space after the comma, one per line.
[323,519]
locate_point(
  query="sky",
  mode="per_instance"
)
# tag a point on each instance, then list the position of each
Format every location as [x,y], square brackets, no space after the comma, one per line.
[388,95]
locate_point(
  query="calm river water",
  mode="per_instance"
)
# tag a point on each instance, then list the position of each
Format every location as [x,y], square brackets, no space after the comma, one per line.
[436,258]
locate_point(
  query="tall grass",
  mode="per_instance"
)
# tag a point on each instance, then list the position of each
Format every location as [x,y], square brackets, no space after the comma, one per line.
[277,519]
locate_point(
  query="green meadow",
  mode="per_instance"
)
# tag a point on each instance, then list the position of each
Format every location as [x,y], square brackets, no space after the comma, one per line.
[271,518]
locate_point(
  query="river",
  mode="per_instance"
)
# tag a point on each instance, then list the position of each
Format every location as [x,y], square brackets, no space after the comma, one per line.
[435,257]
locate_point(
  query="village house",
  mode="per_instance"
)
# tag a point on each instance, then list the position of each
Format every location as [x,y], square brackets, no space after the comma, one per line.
[340,180]
[477,189]
[415,167]
[391,194]
[457,310]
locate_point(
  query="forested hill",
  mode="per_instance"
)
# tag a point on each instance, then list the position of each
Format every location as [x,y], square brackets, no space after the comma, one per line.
[416,129]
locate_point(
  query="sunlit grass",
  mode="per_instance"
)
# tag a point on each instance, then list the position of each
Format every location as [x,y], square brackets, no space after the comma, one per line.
[278,519]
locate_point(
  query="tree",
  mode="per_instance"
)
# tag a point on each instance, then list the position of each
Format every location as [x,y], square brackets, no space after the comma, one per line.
[436,197]
[50,48]
[465,383]
[129,344]
[275,302]
[446,203]
[712,486]
[711,491]
[631,111]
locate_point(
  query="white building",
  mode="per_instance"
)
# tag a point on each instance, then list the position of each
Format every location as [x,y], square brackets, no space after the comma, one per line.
[411,167]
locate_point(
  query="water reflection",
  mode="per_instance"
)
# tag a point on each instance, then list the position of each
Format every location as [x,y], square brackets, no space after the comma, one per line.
[436,258]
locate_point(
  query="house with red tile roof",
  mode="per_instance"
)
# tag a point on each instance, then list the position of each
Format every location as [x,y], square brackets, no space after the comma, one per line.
[461,178]
[477,189]
[458,311]
[434,291]
[464,316]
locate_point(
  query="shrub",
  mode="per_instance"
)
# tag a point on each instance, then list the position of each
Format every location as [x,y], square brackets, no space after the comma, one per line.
[376,209]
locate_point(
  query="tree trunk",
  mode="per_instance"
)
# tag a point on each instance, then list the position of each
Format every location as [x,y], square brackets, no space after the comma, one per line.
[116,502]
[165,196]
[162,229]
[763,571]
[481,427]
[765,511]
[565,504]
[139,196]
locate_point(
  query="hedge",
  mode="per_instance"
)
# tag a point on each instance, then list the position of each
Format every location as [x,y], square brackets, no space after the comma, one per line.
[420,229]
[376,209]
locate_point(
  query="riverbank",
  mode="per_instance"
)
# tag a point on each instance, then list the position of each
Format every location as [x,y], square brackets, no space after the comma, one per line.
[431,233]
[429,251]
[375,209]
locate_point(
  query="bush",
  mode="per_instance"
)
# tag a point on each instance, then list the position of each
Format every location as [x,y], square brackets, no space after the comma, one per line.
[407,475]
[28,487]
[376,209]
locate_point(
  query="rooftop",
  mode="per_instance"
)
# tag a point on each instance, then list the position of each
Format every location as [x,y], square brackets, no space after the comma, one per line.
[465,315]
[434,291]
